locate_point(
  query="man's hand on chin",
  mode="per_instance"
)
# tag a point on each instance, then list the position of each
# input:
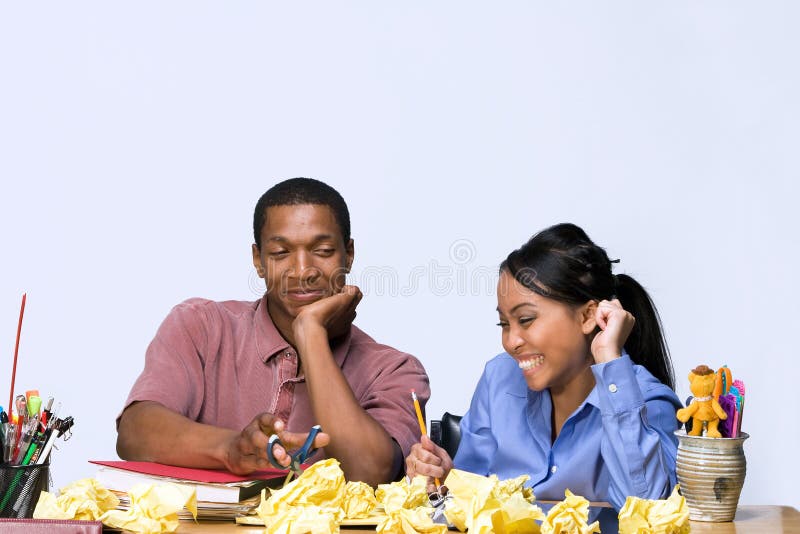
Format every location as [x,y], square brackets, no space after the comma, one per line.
[335,314]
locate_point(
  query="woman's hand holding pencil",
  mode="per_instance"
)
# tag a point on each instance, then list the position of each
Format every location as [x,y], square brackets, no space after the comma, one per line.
[430,460]
[427,458]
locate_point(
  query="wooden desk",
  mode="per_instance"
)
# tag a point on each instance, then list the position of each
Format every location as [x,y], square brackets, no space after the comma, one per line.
[767,519]
[749,519]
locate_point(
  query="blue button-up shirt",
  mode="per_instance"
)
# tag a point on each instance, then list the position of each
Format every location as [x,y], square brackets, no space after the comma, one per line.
[618,442]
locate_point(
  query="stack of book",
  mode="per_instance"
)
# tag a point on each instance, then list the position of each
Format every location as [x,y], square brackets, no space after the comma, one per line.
[220,495]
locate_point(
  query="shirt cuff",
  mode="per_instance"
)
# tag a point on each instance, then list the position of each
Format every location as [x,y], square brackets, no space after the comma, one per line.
[617,387]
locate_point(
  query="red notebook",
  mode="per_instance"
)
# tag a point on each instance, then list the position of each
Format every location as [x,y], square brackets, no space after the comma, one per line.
[212,485]
[207,476]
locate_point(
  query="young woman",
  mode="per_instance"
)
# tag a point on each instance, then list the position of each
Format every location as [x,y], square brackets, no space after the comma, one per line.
[582,398]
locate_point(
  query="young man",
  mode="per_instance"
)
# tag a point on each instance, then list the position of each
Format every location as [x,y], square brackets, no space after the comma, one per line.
[281,364]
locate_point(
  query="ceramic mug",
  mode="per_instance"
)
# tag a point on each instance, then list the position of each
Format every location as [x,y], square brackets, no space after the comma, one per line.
[711,473]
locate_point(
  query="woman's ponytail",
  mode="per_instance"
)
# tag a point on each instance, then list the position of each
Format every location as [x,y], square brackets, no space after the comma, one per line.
[645,344]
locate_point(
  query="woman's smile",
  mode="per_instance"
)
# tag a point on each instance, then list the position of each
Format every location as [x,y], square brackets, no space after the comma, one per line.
[530,365]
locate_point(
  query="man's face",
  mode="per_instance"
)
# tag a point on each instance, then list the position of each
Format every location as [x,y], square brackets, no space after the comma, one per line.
[302,258]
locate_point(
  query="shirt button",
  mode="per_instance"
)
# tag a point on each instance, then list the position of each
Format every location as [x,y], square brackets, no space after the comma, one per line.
[612,388]
[554,469]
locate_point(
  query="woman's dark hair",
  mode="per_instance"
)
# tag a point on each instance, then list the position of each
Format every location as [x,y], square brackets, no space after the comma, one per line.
[563,264]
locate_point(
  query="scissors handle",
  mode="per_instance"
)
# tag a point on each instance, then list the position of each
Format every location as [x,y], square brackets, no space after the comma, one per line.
[308,447]
[299,456]
[274,440]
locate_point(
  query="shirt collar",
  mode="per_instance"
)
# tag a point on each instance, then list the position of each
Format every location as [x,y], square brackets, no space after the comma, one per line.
[270,342]
[592,399]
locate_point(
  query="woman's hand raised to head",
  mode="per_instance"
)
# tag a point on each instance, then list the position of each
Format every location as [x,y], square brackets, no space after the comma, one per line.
[430,460]
[615,325]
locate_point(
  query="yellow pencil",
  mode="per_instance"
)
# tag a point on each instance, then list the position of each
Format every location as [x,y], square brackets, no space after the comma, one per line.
[422,427]
[421,420]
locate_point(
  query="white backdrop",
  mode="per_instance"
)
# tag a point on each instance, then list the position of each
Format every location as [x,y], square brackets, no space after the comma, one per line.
[135,139]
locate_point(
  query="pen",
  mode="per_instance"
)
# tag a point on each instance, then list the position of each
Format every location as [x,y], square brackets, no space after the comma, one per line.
[3,425]
[22,447]
[9,435]
[34,405]
[3,421]
[45,452]
[52,418]
[22,409]
[46,412]
[421,421]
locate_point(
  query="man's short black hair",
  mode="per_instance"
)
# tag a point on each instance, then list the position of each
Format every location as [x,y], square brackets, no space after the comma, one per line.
[296,191]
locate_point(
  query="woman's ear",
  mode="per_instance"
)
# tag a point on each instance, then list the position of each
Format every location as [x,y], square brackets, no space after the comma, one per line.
[588,314]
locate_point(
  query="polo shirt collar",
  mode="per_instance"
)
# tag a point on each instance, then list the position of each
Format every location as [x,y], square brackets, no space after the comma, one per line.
[270,342]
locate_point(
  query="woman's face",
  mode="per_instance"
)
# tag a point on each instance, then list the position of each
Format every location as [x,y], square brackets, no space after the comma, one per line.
[548,339]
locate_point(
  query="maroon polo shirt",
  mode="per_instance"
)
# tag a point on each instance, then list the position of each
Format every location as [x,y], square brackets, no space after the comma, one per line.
[222,363]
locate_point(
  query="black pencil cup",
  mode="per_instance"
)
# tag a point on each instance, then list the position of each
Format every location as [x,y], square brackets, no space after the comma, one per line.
[20,487]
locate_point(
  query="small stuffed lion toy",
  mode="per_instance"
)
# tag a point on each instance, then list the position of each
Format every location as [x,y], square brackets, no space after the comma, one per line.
[704,409]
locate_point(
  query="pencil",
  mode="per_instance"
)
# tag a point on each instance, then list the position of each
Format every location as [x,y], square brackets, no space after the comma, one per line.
[421,420]
[16,352]
[422,427]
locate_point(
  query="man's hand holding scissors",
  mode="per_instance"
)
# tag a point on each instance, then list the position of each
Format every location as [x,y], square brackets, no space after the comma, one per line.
[247,451]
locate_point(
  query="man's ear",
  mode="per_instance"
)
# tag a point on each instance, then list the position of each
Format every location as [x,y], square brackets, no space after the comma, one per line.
[257,261]
[349,255]
[588,319]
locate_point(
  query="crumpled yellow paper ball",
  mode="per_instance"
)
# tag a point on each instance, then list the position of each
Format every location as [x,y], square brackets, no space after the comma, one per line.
[663,516]
[85,499]
[305,519]
[321,489]
[569,517]
[512,515]
[508,487]
[154,508]
[359,500]
[401,494]
[322,484]
[409,521]
[485,504]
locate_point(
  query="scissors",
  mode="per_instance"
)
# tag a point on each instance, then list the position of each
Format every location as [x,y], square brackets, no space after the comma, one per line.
[438,500]
[298,457]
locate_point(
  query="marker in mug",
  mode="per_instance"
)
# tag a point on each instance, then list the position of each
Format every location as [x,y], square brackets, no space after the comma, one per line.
[46,412]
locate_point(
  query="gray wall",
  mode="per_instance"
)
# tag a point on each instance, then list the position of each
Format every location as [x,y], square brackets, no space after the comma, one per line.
[136,137]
